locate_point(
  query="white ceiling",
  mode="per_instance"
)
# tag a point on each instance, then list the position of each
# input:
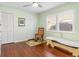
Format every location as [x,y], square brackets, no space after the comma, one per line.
[46,6]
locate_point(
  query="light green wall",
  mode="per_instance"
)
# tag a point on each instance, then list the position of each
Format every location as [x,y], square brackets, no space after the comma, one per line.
[66,6]
[42,18]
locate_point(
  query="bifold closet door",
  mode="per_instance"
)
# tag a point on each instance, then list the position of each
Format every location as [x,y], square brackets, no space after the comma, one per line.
[7,27]
[0,31]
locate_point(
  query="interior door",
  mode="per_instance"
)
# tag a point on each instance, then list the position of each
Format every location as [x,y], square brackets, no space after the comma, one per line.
[0,31]
[7,27]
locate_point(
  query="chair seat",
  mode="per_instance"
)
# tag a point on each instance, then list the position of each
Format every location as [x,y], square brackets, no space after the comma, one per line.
[37,35]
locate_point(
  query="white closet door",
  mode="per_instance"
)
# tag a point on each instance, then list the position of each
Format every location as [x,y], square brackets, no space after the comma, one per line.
[7,27]
[10,27]
[0,29]
[4,28]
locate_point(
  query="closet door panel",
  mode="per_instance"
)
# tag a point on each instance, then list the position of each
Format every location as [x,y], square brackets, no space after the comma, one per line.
[0,33]
[4,33]
[10,27]
[7,28]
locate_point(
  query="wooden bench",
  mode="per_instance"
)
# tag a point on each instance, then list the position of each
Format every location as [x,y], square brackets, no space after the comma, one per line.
[73,50]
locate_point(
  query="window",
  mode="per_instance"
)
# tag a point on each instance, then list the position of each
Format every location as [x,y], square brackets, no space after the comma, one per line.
[61,22]
[51,22]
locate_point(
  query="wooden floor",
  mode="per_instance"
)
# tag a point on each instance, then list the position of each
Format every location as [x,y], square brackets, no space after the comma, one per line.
[23,50]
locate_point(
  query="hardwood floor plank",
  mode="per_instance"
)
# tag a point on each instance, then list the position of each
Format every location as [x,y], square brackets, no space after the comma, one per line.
[23,50]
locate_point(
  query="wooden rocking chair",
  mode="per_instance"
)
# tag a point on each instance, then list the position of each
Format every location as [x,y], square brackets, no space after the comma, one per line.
[39,35]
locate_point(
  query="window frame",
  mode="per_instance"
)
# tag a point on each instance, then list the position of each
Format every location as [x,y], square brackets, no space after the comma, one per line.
[47,23]
[57,23]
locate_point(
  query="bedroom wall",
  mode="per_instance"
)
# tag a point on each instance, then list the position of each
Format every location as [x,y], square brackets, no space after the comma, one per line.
[66,6]
[25,32]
